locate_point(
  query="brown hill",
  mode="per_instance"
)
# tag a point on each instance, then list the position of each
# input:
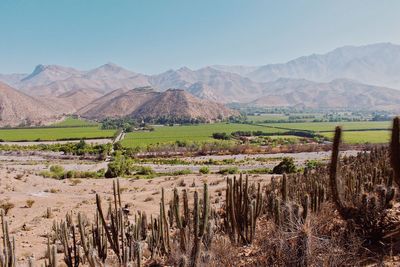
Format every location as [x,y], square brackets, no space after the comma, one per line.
[145,103]
[177,103]
[17,108]
[119,103]
[101,100]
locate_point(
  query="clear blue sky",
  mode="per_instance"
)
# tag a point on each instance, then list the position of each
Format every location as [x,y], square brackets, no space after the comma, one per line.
[151,36]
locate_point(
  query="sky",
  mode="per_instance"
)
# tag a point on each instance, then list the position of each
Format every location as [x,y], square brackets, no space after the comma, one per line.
[150,36]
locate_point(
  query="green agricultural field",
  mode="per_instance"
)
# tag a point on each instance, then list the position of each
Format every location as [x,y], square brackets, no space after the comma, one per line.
[202,132]
[265,117]
[72,122]
[362,137]
[54,134]
[330,126]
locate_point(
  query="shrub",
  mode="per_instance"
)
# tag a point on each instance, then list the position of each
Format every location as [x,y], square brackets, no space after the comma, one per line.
[56,169]
[285,166]
[6,206]
[230,170]
[259,171]
[29,203]
[144,170]
[204,170]
[120,166]
[312,164]
[221,136]
[75,182]
[182,172]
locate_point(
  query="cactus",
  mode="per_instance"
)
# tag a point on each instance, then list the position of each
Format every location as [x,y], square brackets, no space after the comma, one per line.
[284,189]
[51,254]
[200,224]
[241,211]
[7,255]
[366,210]
[395,150]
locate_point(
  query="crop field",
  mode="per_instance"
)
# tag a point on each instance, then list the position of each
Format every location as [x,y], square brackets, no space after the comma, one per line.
[269,117]
[54,134]
[72,122]
[203,132]
[283,117]
[330,126]
[362,137]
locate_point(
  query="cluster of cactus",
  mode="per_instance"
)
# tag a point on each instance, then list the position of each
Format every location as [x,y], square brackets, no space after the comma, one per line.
[193,228]
[159,239]
[242,209]
[123,236]
[363,196]
[88,244]
[286,210]
[7,253]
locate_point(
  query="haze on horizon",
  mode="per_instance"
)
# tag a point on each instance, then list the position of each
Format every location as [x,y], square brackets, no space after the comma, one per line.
[151,37]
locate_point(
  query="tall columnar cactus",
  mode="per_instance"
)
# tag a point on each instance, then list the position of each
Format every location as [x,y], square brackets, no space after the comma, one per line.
[284,189]
[201,216]
[51,255]
[347,212]
[7,255]
[164,224]
[241,210]
[395,150]
[180,222]
[71,250]
[86,242]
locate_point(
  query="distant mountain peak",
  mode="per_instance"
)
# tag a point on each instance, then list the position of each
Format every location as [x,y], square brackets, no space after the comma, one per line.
[184,68]
[110,66]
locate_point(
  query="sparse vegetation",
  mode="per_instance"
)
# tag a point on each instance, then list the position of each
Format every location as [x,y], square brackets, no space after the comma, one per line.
[230,170]
[29,203]
[58,172]
[204,170]
[6,206]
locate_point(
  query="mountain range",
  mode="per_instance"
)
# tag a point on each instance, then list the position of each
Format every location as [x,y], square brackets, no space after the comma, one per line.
[350,77]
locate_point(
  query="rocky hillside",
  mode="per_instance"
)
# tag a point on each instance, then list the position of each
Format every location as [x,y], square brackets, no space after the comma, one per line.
[119,103]
[17,108]
[145,103]
[177,103]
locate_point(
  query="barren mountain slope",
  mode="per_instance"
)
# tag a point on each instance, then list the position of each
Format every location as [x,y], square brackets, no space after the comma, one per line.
[178,103]
[118,103]
[17,108]
[226,86]
[202,91]
[340,93]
